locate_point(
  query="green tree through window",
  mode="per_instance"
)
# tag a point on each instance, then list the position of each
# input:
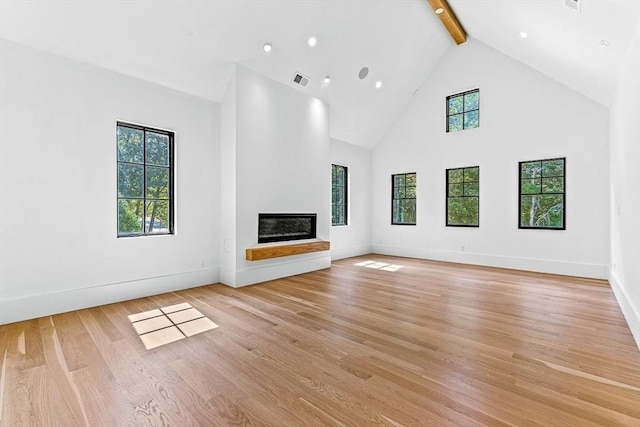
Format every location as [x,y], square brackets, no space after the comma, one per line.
[339,178]
[463,110]
[463,197]
[542,194]
[145,180]
[403,199]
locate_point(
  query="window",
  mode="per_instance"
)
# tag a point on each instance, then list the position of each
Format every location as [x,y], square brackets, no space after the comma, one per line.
[463,110]
[542,197]
[463,197]
[338,195]
[145,180]
[403,194]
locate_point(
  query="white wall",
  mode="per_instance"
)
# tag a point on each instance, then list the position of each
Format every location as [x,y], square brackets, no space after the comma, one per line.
[282,166]
[354,238]
[228,125]
[625,189]
[524,115]
[59,249]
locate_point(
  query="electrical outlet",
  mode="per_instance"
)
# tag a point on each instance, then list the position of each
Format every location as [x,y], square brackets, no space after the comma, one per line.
[462,248]
[202,263]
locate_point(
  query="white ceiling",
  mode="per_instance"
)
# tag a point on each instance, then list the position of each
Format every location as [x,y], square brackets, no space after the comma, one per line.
[562,43]
[190,45]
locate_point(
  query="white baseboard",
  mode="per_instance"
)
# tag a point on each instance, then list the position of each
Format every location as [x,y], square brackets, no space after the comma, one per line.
[278,269]
[629,310]
[596,271]
[37,305]
[350,252]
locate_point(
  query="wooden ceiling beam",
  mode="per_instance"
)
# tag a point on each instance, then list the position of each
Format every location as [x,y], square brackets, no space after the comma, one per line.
[449,20]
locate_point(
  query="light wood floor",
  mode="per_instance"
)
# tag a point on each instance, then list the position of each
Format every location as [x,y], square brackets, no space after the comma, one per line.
[429,344]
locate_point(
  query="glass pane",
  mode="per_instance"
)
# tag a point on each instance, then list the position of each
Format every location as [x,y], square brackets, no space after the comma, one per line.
[551,211]
[552,185]
[471,189]
[130,180]
[409,211]
[455,123]
[455,175]
[157,149]
[455,105]
[471,119]
[396,214]
[157,183]
[544,211]
[157,220]
[472,174]
[401,192]
[462,211]
[130,216]
[530,186]
[398,180]
[528,208]
[455,190]
[411,179]
[530,169]
[130,144]
[553,167]
[410,192]
[471,101]
[339,215]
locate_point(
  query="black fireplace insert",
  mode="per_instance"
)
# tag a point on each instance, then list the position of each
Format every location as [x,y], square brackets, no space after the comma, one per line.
[281,227]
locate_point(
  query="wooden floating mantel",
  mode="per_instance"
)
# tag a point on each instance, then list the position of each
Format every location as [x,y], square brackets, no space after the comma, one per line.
[258,253]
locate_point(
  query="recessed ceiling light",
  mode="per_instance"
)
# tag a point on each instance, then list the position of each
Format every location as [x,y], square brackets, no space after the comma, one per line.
[312,41]
[605,42]
[523,34]
[267,47]
[378,84]
[439,11]
[326,80]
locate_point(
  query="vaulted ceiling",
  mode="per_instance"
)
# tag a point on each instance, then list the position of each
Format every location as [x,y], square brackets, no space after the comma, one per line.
[191,45]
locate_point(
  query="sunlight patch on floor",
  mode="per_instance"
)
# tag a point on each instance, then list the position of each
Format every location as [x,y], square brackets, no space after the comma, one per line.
[379,265]
[169,324]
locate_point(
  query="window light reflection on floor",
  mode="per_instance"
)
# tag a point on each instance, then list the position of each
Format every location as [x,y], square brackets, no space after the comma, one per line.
[379,265]
[168,324]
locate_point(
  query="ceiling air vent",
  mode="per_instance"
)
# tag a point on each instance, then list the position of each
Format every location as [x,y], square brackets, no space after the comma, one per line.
[573,4]
[300,79]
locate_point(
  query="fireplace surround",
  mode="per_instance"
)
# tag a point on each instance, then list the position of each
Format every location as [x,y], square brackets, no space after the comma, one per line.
[282,227]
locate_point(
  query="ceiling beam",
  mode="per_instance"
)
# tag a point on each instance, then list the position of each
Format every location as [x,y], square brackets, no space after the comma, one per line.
[449,20]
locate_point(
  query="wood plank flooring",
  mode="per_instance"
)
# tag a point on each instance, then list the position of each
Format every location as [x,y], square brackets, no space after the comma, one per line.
[428,344]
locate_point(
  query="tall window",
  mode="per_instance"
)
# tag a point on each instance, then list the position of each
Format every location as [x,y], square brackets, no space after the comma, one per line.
[145,180]
[463,110]
[463,197]
[338,195]
[403,195]
[542,194]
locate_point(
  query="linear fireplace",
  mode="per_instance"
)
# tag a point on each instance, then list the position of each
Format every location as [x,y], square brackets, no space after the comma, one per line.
[286,226]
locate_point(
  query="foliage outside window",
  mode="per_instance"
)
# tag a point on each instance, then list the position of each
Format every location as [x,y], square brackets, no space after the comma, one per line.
[403,204]
[338,195]
[542,194]
[145,180]
[463,110]
[463,197]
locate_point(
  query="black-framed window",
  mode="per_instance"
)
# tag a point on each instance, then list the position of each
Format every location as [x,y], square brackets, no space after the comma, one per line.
[542,194]
[463,197]
[403,199]
[145,180]
[339,177]
[463,110]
